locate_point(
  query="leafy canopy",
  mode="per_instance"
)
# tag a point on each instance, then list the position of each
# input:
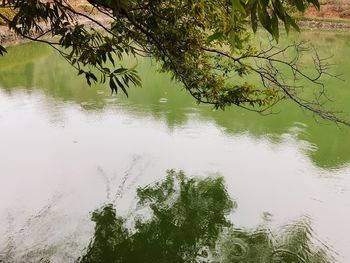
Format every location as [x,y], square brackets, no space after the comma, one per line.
[206,45]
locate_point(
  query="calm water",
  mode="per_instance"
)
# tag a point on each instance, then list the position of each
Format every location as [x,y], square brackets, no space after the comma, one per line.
[66,149]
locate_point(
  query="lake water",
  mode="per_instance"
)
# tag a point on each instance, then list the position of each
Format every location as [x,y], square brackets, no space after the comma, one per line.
[66,149]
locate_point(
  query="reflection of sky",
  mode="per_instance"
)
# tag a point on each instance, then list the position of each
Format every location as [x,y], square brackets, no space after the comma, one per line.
[57,165]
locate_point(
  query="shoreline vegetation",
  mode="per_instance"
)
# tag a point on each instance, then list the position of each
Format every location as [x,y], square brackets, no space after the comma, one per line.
[333,15]
[9,38]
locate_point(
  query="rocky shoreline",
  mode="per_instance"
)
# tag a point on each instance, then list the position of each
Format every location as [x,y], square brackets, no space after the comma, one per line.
[324,25]
[9,38]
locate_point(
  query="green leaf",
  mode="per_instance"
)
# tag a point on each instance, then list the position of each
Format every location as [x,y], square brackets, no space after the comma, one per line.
[120,84]
[316,3]
[135,79]
[112,85]
[300,5]
[264,3]
[287,26]
[93,77]
[88,76]
[120,70]
[264,18]
[275,29]
[215,36]
[292,22]
[279,9]
[232,39]
[254,17]
[237,6]
[2,50]
[111,58]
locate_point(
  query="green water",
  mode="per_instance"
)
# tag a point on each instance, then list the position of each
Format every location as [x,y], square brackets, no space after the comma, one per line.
[30,68]
[67,148]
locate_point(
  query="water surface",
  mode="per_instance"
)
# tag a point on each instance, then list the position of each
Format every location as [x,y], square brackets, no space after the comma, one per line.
[66,149]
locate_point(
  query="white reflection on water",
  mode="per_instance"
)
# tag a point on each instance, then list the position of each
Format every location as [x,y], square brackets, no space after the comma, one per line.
[58,163]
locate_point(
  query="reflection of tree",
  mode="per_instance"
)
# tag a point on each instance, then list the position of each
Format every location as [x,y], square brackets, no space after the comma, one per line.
[187,223]
[294,244]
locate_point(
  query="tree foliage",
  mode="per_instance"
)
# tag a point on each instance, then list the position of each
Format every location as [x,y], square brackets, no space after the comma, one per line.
[206,45]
